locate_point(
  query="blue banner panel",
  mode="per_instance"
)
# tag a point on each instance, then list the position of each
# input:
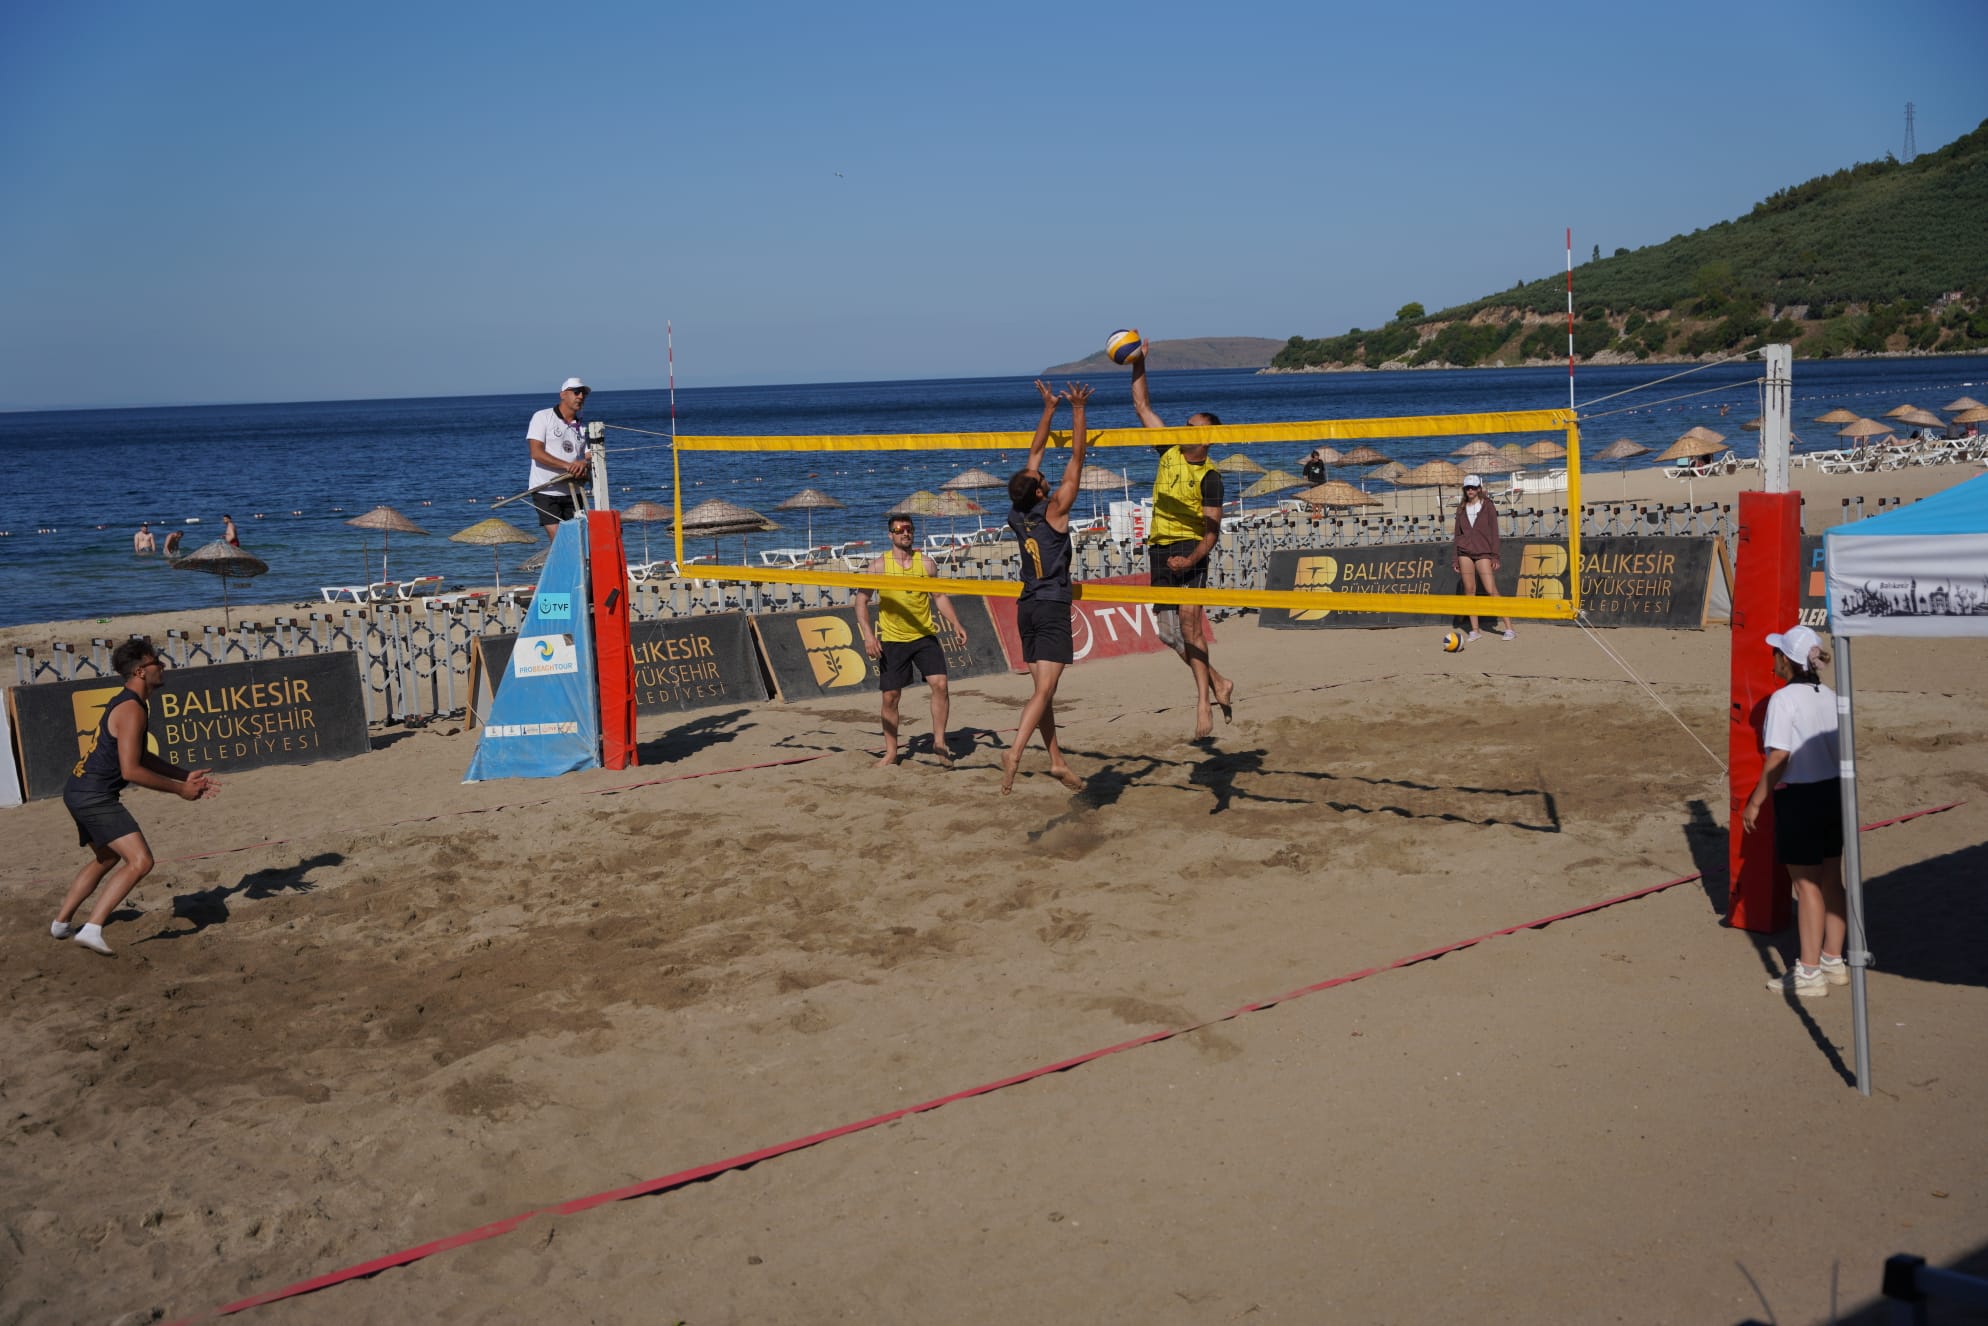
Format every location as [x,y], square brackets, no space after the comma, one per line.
[545,720]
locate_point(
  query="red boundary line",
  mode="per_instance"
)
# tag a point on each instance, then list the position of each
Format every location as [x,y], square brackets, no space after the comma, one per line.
[750,1158]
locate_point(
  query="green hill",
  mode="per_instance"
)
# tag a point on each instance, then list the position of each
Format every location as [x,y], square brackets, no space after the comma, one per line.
[1189,352]
[1881,257]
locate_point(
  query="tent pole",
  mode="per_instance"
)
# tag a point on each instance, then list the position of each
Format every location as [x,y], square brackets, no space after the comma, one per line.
[1856,953]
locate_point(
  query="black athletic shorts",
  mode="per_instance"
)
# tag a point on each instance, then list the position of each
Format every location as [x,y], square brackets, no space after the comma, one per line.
[554,506]
[1165,577]
[905,659]
[1808,822]
[1044,625]
[100,823]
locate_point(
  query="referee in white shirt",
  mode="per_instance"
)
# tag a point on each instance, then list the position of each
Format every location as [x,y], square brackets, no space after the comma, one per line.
[558,451]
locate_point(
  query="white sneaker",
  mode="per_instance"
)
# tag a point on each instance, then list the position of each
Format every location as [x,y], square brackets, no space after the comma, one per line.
[92,938]
[1509,635]
[1800,984]
[1837,972]
[61,929]
[1472,638]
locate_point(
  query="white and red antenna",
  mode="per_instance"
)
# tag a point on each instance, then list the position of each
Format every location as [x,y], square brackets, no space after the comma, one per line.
[1570,317]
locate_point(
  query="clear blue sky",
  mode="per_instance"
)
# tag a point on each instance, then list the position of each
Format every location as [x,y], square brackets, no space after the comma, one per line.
[254,201]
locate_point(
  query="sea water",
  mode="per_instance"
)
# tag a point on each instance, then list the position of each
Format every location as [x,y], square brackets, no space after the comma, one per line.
[291,475]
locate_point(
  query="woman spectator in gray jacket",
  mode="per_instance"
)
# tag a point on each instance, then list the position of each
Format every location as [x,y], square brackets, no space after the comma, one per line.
[1477,548]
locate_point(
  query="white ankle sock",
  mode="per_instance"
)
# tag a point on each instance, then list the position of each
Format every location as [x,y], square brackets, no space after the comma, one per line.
[61,929]
[92,937]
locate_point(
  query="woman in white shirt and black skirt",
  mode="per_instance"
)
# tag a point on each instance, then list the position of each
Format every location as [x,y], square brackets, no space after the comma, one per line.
[1800,740]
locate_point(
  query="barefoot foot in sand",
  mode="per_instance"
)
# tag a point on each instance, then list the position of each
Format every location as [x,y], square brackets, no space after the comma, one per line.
[890,759]
[1225,699]
[1010,763]
[1067,776]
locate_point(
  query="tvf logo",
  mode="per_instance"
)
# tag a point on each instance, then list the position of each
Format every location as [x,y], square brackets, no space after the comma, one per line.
[1542,572]
[1315,573]
[88,708]
[829,642]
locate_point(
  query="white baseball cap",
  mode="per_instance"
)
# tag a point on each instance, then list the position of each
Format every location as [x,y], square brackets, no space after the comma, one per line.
[1797,642]
[574,384]
[1472,481]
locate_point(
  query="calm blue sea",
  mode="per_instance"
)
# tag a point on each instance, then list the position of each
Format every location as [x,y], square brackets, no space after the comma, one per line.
[291,475]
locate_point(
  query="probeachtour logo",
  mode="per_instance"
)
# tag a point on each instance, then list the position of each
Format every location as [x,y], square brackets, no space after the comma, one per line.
[544,656]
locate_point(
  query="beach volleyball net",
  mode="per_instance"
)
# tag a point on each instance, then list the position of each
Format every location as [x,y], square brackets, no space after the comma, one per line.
[1548,597]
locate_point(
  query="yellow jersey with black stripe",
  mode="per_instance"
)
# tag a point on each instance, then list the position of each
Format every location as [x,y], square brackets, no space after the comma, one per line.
[1179,492]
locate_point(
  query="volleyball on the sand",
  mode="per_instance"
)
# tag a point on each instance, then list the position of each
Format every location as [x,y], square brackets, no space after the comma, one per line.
[1124,343]
[1453,643]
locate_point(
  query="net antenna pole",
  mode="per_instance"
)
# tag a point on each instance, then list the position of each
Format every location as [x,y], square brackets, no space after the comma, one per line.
[1777,407]
[676,457]
[1570,317]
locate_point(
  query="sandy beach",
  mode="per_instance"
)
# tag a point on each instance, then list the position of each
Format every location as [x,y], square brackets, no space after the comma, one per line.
[360,1006]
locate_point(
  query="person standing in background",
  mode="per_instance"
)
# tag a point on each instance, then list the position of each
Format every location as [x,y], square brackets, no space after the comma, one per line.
[229,533]
[1479,548]
[141,542]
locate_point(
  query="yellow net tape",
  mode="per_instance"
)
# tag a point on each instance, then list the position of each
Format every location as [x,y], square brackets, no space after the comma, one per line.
[1435,425]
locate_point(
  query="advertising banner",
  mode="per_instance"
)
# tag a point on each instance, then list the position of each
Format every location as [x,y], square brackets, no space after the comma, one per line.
[231,716]
[1625,581]
[545,719]
[682,664]
[10,776]
[820,652]
[1097,630]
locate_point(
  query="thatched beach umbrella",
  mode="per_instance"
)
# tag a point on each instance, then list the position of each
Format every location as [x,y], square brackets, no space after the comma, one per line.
[1478,447]
[1622,449]
[1388,474]
[920,503]
[1272,481]
[953,505]
[493,533]
[716,518]
[1437,474]
[1862,428]
[1963,403]
[971,481]
[535,562]
[1919,418]
[1704,434]
[223,559]
[1973,414]
[1337,492]
[388,522]
[1900,410]
[1543,451]
[1513,450]
[646,514]
[1839,415]
[1237,463]
[1364,455]
[1097,479]
[812,500]
[1327,456]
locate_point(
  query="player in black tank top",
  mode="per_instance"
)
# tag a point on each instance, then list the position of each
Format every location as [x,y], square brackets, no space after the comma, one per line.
[1041,522]
[117,758]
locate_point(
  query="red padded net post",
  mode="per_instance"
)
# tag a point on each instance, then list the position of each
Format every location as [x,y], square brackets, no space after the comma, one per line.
[1766,597]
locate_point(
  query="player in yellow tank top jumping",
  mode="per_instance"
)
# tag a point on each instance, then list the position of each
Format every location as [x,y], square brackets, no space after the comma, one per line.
[906,641]
[1187,523]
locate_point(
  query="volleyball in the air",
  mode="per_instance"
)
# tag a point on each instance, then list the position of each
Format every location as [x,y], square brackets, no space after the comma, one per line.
[1453,643]
[1123,344]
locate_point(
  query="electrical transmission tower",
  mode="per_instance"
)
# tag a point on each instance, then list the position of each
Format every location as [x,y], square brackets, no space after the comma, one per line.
[1911,141]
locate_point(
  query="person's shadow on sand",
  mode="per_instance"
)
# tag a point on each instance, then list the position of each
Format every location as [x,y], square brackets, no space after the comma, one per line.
[209,907]
[700,733]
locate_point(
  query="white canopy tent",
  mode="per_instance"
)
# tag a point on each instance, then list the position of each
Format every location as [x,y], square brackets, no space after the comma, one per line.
[1921,571]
